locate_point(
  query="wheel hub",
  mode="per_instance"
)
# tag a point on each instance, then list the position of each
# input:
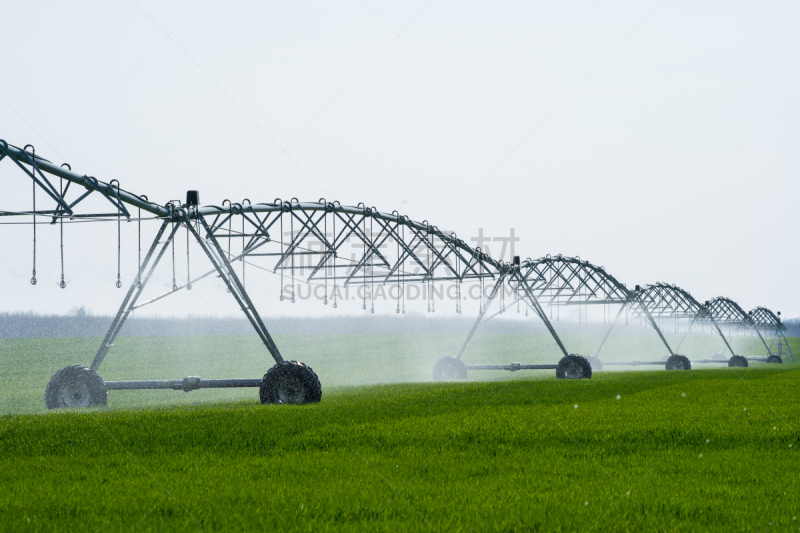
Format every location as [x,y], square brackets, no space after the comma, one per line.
[573,371]
[290,390]
[74,394]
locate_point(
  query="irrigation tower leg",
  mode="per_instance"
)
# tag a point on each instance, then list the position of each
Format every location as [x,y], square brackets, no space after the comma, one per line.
[655,326]
[477,323]
[714,322]
[782,337]
[678,347]
[613,323]
[133,294]
[769,352]
[217,256]
[539,311]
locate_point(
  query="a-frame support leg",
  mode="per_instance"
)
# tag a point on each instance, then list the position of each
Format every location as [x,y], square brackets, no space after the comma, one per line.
[782,340]
[678,347]
[134,292]
[610,329]
[653,324]
[725,340]
[215,253]
[542,315]
[478,321]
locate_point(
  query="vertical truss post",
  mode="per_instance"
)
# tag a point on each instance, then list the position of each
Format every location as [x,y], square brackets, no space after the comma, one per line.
[217,257]
[133,294]
[477,323]
[539,311]
[610,328]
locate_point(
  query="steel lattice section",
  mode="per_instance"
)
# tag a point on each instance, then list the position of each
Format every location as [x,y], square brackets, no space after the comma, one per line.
[763,317]
[312,239]
[666,300]
[562,280]
[726,311]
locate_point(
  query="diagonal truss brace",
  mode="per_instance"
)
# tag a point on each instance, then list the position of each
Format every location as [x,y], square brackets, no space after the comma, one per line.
[492,295]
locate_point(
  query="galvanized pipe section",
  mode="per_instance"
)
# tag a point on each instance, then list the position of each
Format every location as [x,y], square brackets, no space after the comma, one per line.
[186,384]
[513,367]
[46,166]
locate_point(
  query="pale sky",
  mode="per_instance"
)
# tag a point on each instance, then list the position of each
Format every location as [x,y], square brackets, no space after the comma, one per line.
[658,139]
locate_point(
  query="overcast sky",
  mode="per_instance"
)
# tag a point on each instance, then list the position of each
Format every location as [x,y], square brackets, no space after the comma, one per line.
[658,139]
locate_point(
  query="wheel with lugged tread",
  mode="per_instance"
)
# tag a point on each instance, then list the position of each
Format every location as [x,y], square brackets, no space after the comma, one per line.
[449,368]
[290,382]
[678,362]
[775,359]
[738,361]
[75,386]
[574,367]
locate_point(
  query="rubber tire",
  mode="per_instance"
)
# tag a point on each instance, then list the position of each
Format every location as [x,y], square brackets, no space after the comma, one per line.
[775,359]
[87,388]
[449,368]
[574,367]
[290,382]
[678,362]
[738,361]
[595,363]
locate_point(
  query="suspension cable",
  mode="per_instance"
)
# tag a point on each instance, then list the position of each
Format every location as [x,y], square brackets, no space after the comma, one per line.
[433,283]
[372,266]
[458,283]
[243,240]
[188,272]
[480,281]
[335,287]
[291,241]
[119,235]
[139,235]
[174,285]
[399,270]
[33,155]
[325,265]
[282,251]
[63,284]
[403,229]
[430,275]
[363,262]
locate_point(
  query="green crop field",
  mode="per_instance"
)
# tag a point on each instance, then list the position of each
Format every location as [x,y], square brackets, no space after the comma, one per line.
[708,449]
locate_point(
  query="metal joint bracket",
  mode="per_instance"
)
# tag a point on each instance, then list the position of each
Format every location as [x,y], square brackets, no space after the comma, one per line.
[191,383]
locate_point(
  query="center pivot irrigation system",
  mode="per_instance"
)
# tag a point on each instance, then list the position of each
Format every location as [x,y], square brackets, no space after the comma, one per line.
[391,251]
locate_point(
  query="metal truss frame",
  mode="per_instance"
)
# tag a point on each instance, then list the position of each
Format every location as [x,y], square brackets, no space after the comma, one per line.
[318,233]
[328,243]
[773,330]
[666,300]
[565,281]
[726,311]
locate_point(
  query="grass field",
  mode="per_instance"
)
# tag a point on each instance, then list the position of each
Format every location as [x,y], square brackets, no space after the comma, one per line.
[625,451]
